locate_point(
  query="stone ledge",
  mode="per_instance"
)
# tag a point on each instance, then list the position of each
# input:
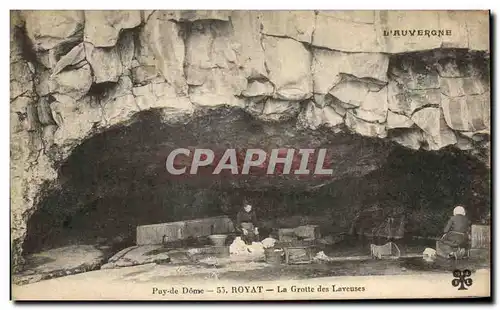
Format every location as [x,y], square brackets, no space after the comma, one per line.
[174,231]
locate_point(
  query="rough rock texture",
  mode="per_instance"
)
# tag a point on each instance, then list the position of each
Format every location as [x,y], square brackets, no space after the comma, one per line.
[102,28]
[138,255]
[61,262]
[75,74]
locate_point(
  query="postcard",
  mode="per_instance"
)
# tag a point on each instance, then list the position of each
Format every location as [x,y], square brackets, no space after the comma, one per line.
[250,155]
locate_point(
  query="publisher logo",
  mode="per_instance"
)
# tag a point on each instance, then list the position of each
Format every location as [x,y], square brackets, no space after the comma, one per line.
[462,279]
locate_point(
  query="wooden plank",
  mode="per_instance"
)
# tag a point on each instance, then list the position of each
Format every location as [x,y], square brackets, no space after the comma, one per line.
[480,237]
[298,255]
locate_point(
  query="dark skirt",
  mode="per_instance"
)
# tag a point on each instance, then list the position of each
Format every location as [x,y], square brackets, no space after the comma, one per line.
[450,243]
[250,236]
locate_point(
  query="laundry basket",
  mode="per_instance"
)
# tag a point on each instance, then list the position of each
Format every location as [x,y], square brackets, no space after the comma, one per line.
[387,251]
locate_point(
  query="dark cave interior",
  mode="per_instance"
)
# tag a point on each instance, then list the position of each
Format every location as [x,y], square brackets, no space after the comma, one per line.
[117,180]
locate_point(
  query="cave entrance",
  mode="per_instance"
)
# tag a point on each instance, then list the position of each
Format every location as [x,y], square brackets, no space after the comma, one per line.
[117,180]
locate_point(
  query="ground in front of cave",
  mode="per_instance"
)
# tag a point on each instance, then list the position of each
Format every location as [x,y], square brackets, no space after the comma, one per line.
[242,271]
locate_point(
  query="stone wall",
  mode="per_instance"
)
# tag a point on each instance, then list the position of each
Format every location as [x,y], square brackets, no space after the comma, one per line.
[76,73]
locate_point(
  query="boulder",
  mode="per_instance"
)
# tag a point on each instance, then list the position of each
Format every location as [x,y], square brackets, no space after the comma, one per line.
[369,101]
[289,65]
[220,87]
[374,107]
[338,106]
[467,113]
[415,73]
[411,138]
[395,120]
[116,90]
[246,39]
[453,67]
[161,95]
[44,112]
[199,58]
[255,106]
[344,34]
[17,35]
[457,87]
[44,81]
[17,123]
[329,65]
[73,83]
[49,29]
[364,128]
[257,88]
[119,109]
[105,62]
[19,105]
[433,124]
[405,101]
[351,92]
[74,57]
[212,72]
[161,46]
[32,117]
[298,25]
[21,80]
[478,136]
[102,28]
[126,48]
[68,113]
[145,74]
[276,110]
[313,117]
[464,143]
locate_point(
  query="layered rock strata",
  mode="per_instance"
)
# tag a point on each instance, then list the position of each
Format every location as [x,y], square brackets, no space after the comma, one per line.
[420,79]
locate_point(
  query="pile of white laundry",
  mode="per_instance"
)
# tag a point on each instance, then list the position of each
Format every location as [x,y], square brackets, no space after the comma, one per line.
[321,256]
[240,248]
[269,242]
[429,255]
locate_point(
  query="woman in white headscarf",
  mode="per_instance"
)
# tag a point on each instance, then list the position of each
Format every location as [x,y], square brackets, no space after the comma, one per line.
[456,235]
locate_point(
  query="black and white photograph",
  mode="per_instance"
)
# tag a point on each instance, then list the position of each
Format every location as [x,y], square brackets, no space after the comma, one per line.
[250,155]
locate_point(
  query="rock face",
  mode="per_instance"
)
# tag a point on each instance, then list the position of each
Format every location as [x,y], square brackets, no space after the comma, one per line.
[420,79]
[61,262]
[102,28]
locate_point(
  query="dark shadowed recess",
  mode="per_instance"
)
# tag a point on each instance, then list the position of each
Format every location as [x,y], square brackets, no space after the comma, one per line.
[117,180]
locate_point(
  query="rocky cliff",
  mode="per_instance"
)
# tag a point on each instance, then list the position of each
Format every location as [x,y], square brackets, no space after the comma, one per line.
[420,79]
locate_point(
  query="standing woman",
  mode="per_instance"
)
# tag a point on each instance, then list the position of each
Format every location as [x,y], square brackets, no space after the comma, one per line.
[246,223]
[456,235]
